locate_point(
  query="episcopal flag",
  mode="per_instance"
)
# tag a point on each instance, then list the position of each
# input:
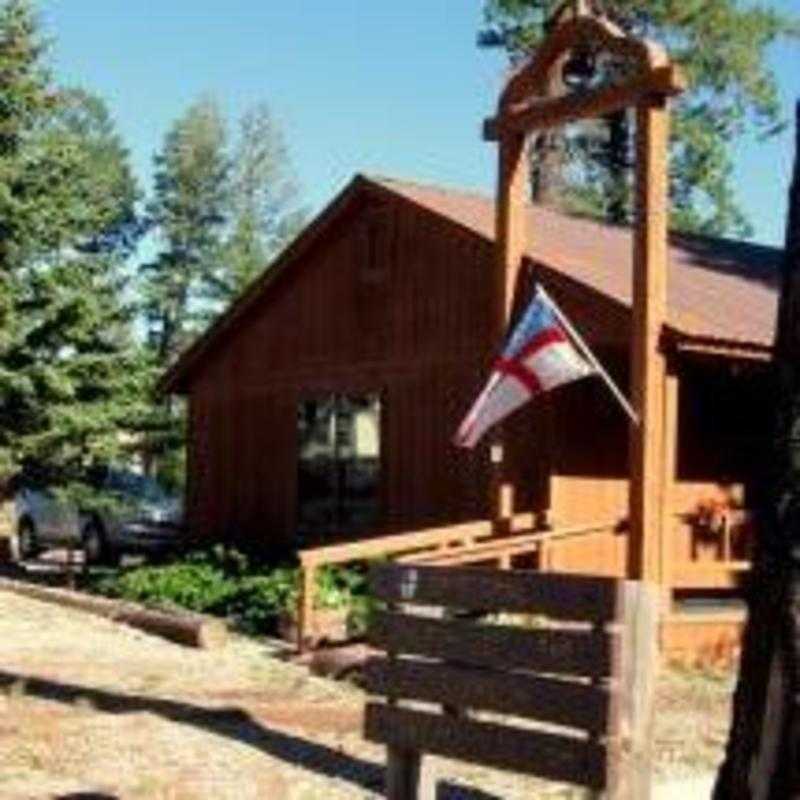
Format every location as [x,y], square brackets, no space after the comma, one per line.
[539,356]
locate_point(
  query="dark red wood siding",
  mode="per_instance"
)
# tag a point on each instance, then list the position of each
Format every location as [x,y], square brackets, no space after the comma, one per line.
[394,300]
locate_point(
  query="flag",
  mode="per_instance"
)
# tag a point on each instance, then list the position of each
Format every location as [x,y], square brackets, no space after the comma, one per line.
[539,356]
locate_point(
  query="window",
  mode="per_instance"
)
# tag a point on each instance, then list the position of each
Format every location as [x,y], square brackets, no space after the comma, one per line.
[338,465]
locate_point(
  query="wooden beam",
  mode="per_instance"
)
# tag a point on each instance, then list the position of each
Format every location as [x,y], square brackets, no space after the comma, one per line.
[305,605]
[567,597]
[560,651]
[536,114]
[511,244]
[568,703]
[631,730]
[528,79]
[403,773]
[671,441]
[393,544]
[553,756]
[648,368]
[495,547]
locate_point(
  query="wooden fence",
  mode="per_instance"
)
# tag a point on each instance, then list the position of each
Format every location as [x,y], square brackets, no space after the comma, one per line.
[586,666]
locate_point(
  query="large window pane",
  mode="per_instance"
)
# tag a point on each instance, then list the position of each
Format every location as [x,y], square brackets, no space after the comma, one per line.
[338,465]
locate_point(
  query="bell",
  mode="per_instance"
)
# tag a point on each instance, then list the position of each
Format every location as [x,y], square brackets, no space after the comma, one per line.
[579,69]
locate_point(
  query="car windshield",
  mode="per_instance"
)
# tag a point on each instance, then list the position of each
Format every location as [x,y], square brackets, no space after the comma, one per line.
[138,486]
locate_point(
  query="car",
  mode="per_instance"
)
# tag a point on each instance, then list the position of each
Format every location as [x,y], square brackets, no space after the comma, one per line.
[132,514]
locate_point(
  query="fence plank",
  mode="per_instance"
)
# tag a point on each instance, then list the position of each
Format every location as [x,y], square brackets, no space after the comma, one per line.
[567,703]
[551,756]
[563,652]
[568,597]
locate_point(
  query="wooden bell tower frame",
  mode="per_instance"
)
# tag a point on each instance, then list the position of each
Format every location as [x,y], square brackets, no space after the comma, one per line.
[525,106]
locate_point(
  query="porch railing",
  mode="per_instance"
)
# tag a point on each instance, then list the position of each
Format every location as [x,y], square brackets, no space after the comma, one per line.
[467,543]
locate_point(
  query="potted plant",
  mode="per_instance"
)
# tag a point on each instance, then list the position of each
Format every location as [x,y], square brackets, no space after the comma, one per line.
[712,515]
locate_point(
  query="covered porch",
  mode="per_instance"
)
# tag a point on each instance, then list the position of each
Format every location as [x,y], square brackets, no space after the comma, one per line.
[567,509]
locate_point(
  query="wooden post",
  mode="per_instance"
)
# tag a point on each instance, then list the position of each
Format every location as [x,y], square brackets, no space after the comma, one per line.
[631,759]
[71,565]
[305,605]
[667,547]
[647,360]
[511,242]
[402,774]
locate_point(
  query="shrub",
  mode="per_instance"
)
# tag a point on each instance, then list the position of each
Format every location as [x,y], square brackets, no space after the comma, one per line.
[259,599]
[223,582]
[195,586]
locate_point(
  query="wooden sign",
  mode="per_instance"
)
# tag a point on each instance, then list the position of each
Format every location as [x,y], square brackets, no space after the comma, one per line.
[581,656]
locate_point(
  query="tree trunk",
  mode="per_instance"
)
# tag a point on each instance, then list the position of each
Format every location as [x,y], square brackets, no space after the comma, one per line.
[762,760]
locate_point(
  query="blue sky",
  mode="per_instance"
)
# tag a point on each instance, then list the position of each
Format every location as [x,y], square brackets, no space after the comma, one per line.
[397,88]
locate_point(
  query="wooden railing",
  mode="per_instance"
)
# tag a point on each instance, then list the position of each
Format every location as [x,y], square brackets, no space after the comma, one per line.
[502,550]
[467,543]
[429,539]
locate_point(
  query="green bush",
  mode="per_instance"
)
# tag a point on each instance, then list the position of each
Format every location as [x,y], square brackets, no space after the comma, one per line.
[196,586]
[221,581]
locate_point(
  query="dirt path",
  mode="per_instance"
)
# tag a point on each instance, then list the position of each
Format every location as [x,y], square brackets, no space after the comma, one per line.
[90,706]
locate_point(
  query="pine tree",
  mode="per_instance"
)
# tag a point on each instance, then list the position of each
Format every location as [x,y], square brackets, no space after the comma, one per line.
[222,213]
[265,215]
[67,357]
[188,213]
[721,44]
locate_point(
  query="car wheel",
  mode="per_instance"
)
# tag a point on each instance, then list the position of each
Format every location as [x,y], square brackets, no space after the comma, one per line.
[95,546]
[27,543]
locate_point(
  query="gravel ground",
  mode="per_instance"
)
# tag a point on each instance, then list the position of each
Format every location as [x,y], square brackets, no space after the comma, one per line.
[88,706]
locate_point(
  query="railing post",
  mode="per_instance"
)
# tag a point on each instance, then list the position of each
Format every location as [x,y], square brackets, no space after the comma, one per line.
[305,604]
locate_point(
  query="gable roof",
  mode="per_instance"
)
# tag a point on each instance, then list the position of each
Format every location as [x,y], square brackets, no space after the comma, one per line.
[721,293]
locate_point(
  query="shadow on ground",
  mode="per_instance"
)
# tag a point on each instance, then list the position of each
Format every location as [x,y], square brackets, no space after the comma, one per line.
[87,796]
[231,723]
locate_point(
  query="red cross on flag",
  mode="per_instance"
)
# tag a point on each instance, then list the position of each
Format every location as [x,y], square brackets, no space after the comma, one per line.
[540,355]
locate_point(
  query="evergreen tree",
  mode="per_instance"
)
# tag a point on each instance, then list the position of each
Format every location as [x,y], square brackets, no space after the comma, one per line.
[221,212]
[263,202]
[67,383]
[188,213]
[721,44]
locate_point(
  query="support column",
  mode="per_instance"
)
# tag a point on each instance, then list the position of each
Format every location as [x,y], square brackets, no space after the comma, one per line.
[510,238]
[647,359]
[669,523]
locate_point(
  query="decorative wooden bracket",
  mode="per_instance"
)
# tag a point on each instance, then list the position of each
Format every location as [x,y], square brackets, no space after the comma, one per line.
[521,108]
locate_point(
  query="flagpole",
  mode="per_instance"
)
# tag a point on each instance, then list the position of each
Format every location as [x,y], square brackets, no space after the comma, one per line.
[589,355]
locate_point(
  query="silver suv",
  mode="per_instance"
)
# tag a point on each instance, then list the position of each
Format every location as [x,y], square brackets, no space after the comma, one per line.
[140,517]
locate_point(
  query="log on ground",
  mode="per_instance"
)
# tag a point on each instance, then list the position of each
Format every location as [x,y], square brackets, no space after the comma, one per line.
[192,630]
